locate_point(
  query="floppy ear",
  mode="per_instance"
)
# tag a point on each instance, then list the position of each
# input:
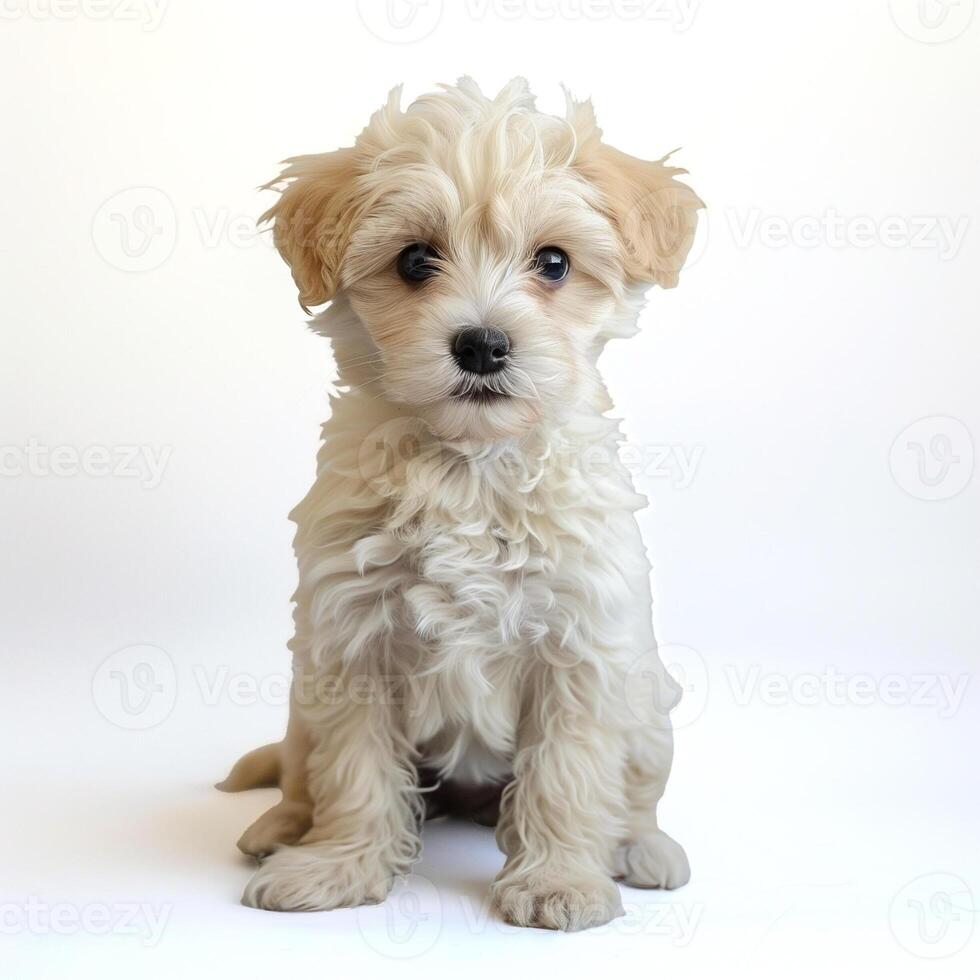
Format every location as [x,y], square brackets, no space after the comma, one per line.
[654,214]
[313,219]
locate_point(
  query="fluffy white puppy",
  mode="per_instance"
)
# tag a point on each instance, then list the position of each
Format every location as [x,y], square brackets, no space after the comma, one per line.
[473,609]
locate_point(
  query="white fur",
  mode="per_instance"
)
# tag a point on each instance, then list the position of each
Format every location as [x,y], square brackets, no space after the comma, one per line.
[473,590]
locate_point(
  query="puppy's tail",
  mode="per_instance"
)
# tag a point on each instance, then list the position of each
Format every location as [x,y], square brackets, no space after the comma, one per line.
[260,767]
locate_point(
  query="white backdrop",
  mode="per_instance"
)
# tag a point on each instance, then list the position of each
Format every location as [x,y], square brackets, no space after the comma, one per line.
[802,411]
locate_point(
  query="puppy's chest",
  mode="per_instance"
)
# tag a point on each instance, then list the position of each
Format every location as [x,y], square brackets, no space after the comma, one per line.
[475,581]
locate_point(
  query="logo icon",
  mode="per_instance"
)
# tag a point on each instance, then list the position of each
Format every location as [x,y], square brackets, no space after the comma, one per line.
[407,923]
[387,454]
[136,229]
[136,688]
[671,680]
[933,916]
[932,459]
[400,21]
[931,21]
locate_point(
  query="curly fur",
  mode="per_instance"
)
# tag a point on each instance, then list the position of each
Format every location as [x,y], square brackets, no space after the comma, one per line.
[473,597]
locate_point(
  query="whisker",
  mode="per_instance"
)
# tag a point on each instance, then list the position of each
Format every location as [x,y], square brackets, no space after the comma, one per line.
[364,359]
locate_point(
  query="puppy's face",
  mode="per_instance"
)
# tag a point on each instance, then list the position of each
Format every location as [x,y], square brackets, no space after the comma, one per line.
[484,292]
[488,251]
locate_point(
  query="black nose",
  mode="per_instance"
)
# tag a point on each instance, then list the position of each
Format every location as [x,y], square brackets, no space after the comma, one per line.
[481,350]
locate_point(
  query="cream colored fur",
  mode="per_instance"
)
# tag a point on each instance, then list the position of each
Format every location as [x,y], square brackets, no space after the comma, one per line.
[473,589]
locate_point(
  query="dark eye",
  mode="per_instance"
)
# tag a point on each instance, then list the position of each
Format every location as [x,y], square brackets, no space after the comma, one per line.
[415,262]
[551,263]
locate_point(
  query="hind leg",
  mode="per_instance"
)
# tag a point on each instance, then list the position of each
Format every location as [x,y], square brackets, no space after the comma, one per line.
[649,858]
[291,817]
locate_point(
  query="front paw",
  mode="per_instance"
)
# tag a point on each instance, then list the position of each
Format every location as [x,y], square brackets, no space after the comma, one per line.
[546,899]
[314,877]
[654,860]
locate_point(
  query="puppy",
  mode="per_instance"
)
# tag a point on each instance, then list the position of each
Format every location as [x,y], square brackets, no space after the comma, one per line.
[473,612]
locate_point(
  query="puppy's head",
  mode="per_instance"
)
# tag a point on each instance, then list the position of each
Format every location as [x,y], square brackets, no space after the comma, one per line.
[488,251]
